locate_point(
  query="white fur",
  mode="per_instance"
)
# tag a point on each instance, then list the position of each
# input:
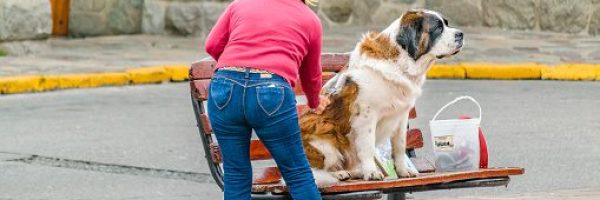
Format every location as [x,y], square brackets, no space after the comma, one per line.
[446,44]
[324,178]
[333,157]
[388,90]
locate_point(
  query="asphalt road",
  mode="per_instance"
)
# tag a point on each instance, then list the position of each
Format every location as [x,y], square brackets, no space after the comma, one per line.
[140,142]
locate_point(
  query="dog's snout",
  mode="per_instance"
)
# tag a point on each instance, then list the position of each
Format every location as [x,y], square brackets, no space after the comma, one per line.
[458,36]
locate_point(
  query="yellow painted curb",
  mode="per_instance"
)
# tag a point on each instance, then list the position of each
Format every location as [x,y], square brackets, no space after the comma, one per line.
[20,84]
[502,71]
[39,83]
[110,79]
[148,75]
[74,81]
[451,71]
[178,72]
[573,72]
[158,74]
[50,82]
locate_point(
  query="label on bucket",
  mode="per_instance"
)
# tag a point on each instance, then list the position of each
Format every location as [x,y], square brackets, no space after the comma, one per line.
[444,143]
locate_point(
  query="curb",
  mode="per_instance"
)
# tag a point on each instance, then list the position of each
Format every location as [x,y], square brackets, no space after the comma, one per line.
[516,71]
[42,83]
[180,72]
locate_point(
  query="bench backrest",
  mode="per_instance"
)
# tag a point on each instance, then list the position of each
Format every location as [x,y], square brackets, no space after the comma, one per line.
[200,76]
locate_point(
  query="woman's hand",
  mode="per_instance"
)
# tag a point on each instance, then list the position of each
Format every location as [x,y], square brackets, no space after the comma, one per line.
[323,103]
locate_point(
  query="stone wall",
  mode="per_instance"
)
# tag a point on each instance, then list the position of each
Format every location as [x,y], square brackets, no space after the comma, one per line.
[566,16]
[30,19]
[24,20]
[196,17]
[192,18]
[108,17]
[105,17]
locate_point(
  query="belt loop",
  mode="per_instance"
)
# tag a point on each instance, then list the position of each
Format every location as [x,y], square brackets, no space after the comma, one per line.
[247,74]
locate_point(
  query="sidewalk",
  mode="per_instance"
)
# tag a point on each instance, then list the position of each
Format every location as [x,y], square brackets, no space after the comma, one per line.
[575,194]
[118,53]
[488,54]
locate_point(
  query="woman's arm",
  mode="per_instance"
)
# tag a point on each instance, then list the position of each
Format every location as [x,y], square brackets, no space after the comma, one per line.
[219,35]
[310,71]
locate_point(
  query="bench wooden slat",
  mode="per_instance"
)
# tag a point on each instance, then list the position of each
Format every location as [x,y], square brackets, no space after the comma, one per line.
[301,109]
[325,77]
[413,113]
[258,151]
[334,62]
[203,69]
[270,175]
[205,124]
[421,180]
[414,139]
[215,153]
[200,89]
[330,62]
[266,175]
[425,180]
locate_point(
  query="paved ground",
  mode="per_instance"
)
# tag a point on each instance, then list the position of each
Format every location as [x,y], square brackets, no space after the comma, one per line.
[140,142]
[116,53]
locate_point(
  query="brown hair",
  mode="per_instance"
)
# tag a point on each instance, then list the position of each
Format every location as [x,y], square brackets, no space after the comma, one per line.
[331,126]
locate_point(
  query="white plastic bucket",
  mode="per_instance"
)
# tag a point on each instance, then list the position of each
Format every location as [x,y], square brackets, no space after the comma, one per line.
[456,141]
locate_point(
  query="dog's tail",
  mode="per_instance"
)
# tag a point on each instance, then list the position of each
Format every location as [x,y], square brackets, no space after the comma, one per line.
[335,84]
[323,178]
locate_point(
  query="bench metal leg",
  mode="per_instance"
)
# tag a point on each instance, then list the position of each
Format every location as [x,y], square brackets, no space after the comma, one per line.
[397,196]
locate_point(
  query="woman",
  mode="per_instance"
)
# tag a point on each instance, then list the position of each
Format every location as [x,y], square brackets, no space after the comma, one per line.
[261,48]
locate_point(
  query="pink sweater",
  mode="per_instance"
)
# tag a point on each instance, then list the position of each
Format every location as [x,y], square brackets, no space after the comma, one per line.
[280,36]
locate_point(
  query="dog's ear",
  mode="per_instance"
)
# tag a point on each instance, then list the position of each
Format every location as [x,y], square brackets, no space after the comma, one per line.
[410,36]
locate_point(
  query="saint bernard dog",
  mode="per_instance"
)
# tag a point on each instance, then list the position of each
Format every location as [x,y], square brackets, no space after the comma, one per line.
[371,100]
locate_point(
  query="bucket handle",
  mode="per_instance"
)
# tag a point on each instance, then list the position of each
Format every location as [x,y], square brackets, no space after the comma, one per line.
[456,100]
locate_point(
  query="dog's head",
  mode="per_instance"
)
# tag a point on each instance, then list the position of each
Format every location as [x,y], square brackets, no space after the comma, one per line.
[422,32]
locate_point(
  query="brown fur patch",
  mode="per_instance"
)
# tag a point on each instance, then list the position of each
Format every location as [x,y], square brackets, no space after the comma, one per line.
[411,16]
[378,46]
[331,126]
[424,42]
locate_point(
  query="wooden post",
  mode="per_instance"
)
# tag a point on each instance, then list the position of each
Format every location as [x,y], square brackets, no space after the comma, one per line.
[60,17]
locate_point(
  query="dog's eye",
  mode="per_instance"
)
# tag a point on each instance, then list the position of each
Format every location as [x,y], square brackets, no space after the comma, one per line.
[445,21]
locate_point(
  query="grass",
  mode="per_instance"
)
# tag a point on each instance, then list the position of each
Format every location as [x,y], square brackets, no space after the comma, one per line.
[3,53]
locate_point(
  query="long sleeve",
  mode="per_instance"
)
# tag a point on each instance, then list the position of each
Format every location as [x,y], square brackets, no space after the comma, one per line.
[219,35]
[310,71]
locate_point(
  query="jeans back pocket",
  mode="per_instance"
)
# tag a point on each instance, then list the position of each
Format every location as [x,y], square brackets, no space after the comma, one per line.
[270,98]
[221,91]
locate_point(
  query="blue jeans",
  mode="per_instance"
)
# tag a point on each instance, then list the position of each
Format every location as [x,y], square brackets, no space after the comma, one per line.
[239,102]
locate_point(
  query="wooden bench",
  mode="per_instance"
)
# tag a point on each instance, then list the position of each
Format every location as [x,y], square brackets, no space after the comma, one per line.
[267,180]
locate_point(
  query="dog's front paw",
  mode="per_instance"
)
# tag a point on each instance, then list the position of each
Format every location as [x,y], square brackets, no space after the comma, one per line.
[373,175]
[404,172]
[342,175]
